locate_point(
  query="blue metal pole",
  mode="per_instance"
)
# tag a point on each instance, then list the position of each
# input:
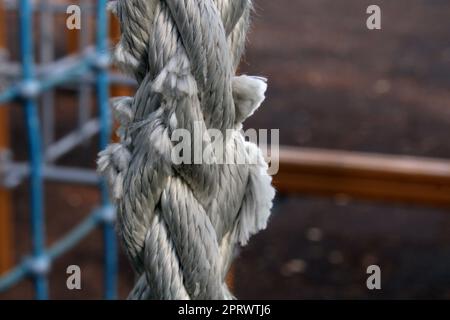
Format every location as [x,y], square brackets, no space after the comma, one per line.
[34,140]
[110,246]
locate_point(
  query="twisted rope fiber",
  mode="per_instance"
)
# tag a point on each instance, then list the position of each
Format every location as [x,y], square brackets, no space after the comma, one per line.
[181,223]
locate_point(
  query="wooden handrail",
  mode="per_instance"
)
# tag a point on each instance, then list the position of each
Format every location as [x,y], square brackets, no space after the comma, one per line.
[5,195]
[364,175]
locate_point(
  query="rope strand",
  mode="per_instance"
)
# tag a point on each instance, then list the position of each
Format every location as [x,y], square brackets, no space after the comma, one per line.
[180,223]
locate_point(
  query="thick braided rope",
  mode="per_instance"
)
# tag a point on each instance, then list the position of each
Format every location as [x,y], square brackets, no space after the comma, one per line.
[180,223]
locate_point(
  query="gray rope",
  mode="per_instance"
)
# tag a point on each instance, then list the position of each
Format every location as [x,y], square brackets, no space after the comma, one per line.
[180,223]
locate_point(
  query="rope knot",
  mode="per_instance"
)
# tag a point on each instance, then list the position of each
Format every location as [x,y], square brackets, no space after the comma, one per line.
[181,223]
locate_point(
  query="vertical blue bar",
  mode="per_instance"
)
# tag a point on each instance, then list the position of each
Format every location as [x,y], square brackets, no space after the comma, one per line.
[34,140]
[109,238]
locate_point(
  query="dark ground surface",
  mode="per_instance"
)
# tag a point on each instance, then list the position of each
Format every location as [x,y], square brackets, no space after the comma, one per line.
[332,84]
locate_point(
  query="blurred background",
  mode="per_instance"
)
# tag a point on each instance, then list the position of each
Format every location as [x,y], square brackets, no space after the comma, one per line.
[364,119]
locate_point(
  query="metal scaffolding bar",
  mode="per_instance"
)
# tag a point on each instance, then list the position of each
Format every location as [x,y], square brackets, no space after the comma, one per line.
[109,240]
[31,82]
[35,150]
[57,249]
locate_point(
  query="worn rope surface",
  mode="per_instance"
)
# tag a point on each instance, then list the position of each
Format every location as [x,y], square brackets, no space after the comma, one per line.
[180,223]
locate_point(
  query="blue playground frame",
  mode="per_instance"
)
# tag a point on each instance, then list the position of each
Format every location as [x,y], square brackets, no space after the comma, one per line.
[30,86]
